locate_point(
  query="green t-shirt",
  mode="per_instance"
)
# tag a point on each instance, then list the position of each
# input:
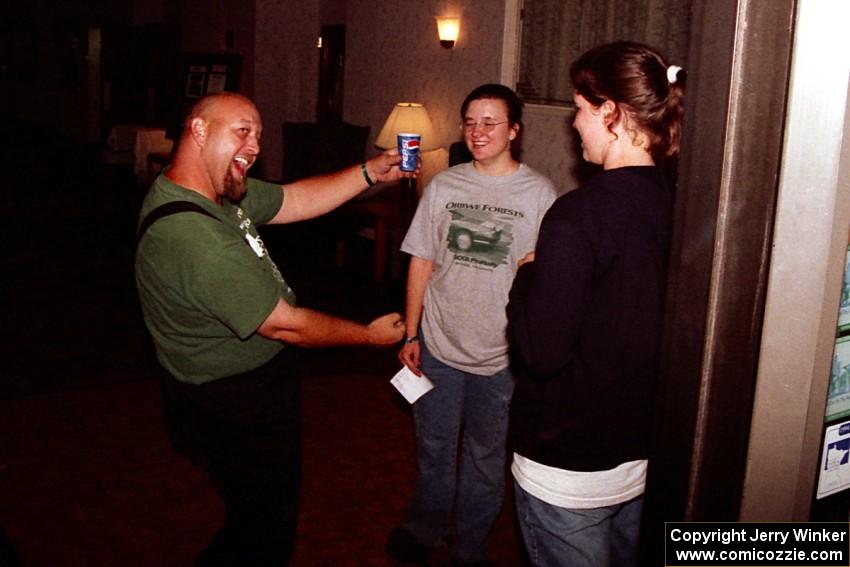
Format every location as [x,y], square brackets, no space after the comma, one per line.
[206,284]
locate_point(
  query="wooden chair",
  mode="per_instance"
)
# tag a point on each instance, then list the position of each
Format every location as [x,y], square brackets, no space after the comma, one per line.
[311,148]
[314,148]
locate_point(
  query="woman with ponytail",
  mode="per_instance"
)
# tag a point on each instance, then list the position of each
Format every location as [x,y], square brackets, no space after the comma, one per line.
[585,317]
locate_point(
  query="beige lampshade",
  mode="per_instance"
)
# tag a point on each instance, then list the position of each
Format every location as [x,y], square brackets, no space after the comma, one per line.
[408,117]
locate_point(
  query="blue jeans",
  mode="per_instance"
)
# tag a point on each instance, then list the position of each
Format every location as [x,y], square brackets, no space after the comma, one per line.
[595,537]
[475,485]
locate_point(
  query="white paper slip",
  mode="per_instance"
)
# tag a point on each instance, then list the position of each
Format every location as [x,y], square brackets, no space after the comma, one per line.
[410,385]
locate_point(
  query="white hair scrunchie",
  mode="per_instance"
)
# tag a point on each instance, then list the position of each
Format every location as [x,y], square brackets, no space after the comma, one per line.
[672,72]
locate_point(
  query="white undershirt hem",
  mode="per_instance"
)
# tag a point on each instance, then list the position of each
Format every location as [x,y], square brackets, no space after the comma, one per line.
[578,489]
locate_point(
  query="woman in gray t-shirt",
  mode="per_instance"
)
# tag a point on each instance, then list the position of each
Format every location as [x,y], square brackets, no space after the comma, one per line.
[475,221]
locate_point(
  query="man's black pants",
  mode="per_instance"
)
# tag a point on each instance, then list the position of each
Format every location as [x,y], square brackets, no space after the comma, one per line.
[245,431]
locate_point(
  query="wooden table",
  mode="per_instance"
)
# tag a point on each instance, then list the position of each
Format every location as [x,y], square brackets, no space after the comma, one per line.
[376,218]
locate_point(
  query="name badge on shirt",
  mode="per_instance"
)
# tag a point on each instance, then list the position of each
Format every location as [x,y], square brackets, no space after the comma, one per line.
[255,245]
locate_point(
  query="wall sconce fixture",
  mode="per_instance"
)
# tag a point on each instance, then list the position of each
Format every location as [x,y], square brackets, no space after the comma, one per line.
[448,30]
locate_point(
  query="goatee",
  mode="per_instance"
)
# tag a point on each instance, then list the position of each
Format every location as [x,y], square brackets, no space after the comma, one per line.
[234,189]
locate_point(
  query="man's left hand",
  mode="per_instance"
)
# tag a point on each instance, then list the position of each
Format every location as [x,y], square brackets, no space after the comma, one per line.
[384,167]
[386,330]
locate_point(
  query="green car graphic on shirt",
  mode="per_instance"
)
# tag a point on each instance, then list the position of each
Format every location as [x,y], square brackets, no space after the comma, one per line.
[464,232]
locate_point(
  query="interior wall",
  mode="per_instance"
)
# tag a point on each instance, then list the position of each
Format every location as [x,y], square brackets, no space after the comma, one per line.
[206,24]
[286,73]
[48,78]
[332,12]
[44,61]
[552,146]
[148,11]
[393,54]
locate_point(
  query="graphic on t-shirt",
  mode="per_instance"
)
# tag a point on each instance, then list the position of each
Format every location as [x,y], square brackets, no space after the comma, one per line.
[481,235]
[256,243]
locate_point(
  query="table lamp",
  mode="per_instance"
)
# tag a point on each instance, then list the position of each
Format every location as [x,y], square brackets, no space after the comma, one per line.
[408,117]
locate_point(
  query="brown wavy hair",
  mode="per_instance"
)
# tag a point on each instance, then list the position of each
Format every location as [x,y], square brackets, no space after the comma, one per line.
[634,77]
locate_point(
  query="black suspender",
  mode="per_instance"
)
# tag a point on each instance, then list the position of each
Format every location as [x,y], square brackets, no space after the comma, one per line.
[166,210]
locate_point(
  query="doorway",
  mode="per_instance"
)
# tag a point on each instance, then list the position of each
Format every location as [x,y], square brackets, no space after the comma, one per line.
[761,233]
[331,73]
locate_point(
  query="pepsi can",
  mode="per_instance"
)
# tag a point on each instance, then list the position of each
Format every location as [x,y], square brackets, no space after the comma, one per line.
[408,149]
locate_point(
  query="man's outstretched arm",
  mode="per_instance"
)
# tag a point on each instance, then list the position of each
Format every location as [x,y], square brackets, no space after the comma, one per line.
[309,328]
[314,196]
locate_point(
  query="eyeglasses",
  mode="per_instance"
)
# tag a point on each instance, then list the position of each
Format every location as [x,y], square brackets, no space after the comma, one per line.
[485,126]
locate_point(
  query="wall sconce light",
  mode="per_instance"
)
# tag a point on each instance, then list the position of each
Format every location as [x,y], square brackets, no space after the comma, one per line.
[448,30]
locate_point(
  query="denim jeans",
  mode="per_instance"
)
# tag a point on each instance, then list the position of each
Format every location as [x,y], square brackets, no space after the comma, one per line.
[474,486]
[594,537]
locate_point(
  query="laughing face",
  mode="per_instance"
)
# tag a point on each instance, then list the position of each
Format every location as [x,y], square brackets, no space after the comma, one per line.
[231,146]
[488,133]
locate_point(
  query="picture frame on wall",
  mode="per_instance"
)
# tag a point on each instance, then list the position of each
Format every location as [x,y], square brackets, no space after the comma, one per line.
[207,73]
[196,80]
[202,74]
[217,79]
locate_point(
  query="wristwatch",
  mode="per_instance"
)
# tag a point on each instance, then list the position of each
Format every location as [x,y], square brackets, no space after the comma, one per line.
[413,339]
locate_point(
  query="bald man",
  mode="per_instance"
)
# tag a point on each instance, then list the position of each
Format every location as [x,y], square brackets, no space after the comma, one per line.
[222,317]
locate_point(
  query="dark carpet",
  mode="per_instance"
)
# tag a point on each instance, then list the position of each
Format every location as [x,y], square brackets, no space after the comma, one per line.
[87,476]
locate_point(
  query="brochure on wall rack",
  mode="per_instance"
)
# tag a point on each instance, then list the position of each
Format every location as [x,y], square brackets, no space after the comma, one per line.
[838,394]
[835,461]
[844,305]
[217,79]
